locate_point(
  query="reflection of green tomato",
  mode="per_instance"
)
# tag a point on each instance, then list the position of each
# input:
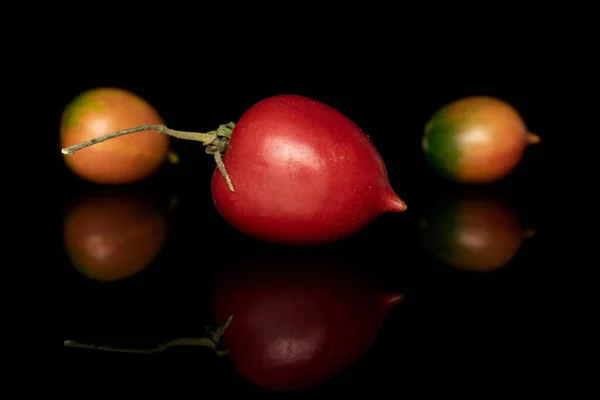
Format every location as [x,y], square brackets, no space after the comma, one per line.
[472,233]
[111,237]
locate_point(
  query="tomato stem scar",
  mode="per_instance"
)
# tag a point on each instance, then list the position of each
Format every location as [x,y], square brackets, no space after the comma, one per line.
[215,141]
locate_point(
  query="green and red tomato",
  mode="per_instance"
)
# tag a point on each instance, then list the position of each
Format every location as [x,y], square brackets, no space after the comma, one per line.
[122,160]
[476,140]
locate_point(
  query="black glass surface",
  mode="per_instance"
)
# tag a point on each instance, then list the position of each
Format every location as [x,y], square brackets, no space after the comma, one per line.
[457,326]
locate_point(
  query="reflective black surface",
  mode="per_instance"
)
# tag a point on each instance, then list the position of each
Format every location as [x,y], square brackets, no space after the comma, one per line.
[468,319]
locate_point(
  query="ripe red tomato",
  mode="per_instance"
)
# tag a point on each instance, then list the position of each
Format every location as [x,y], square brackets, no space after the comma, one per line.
[303,173]
[122,160]
[298,322]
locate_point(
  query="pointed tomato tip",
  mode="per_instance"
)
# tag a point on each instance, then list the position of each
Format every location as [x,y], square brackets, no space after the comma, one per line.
[529,233]
[391,299]
[532,138]
[393,203]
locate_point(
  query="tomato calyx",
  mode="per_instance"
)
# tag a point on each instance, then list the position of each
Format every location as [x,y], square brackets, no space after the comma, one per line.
[222,135]
[215,141]
[212,342]
[218,146]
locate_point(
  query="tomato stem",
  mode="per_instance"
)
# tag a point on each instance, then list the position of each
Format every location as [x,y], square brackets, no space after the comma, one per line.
[528,233]
[211,343]
[203,342]
[173,202]
[172,157]
[215,141]
[218,331]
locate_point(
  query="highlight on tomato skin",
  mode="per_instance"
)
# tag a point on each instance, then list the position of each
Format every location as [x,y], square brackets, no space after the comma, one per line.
[473,231]
[112,235]
[476,140]
[122,160]
[298,321]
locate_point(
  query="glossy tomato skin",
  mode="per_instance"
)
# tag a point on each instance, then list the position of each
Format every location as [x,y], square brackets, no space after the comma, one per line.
[303,173]
[298,322]
[117,161]
[476,140]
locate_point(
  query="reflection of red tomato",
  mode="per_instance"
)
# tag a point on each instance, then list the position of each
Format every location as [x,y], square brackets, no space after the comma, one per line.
[113,235]
[297,322]
[472,232]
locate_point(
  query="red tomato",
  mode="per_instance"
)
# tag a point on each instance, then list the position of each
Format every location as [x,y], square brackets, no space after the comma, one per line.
[298,322]
[303,173]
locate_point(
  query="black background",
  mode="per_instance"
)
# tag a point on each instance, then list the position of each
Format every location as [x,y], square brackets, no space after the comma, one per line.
[453,330]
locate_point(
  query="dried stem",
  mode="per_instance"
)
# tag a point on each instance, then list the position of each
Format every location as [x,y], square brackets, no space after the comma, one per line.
[172,157]
[221,166]
[205,138]
[173,202]
[215,141]
[217,332]
[528,233]
[203,342]
[211,343]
